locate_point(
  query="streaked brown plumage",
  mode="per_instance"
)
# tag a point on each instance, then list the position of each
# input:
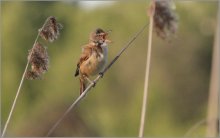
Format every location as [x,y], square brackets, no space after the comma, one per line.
[93,57]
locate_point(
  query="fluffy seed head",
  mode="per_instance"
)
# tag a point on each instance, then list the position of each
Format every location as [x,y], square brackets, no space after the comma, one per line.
[39,60]
[165,18]
[51,30]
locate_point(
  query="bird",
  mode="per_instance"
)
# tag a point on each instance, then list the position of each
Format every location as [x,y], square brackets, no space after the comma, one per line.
[93,57]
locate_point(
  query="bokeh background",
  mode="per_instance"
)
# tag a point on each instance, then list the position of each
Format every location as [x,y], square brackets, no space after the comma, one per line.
[179,77]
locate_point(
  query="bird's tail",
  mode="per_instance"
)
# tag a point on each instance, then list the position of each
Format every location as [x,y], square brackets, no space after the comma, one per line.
[77,70]
[82,85]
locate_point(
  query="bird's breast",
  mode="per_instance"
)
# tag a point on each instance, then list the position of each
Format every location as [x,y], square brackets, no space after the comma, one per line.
[96,62]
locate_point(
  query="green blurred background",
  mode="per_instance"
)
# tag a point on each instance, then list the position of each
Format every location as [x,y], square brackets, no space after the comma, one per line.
[179,77]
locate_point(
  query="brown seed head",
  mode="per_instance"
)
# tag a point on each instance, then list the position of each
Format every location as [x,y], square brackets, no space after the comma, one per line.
[39,61]
[165,18]
[51,30]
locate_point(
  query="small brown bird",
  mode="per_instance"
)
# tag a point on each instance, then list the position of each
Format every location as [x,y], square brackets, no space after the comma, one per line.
[93,57]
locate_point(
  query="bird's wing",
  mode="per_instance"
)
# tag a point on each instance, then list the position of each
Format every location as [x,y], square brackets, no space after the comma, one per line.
[86,53]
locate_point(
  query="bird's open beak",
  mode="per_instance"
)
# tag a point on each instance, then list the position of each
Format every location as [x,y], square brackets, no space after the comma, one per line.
[107,33]
[108,41]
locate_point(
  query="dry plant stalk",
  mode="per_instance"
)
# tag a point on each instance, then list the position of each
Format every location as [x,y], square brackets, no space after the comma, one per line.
[144,104]
[37,57]
[214,91]
[87,90]
[194,127]
[164,20]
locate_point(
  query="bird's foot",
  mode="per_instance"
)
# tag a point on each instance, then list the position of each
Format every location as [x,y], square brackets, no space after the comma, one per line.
[101,74]
[93,84]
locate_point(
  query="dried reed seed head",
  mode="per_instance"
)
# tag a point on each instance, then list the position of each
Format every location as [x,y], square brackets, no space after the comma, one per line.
[38,57]
[165,18]
[31,75]
[51,30]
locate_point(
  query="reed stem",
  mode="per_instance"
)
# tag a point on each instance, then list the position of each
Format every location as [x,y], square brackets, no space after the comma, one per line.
[95,81]
[146,83]
[20,85]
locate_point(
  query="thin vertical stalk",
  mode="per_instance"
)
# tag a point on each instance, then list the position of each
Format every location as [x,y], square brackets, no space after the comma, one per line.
[212,113]
[144,105]
[20,85]
[15,100]
[194,127]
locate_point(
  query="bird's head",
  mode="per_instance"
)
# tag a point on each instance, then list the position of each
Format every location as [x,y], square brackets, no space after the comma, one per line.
[99,36]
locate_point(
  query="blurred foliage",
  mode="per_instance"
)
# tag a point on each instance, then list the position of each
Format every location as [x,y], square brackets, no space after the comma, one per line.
[179,78]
